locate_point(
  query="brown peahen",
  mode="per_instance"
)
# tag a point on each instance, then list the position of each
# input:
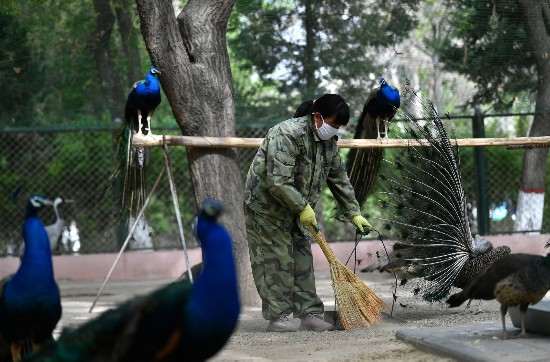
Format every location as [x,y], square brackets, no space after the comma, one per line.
[513,280]
[424,208]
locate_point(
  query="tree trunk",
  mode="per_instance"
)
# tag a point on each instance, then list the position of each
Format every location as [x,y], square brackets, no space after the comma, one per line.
[192,55]
[531,193]
[309,62]
[114,96]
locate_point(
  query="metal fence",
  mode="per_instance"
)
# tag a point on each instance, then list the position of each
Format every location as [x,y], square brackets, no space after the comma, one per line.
[77,164]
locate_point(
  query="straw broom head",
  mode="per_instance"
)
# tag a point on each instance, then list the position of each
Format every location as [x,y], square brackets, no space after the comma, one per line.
[358,306]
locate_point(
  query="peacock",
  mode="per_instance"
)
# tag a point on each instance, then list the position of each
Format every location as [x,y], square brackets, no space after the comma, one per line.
[424,208]
[143,99]
[178,322]
[30,303]
[363,164]
[513,280]
[131,161]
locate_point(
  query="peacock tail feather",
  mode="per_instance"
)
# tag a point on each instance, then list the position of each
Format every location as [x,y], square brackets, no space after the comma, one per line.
[363,163]
[425,208]
[128,176]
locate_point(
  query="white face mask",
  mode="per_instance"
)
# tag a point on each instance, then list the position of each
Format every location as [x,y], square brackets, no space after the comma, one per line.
[326,131]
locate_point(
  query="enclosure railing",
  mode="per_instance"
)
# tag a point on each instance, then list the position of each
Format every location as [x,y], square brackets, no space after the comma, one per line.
[77,164]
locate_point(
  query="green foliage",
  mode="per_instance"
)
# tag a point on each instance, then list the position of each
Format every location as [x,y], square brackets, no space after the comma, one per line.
[305,50]
[18,74]
[489,44]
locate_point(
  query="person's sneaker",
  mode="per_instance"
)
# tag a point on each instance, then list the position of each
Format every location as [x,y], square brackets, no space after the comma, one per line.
[282,324]
[313,322]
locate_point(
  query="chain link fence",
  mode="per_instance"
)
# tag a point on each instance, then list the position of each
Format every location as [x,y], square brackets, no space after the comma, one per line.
[76,165]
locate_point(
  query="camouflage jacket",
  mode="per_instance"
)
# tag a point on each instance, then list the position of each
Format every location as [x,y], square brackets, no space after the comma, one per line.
[290,170]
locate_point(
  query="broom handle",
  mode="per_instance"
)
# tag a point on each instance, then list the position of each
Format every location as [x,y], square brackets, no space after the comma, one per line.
[329,254]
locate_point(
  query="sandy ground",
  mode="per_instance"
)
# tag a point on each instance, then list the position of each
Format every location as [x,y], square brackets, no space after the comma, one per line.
[252,342]
[376,343]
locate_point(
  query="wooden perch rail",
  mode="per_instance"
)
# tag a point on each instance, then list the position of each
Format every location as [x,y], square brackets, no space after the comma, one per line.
[209,142]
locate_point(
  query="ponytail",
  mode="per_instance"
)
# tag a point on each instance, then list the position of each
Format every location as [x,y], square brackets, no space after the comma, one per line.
[304,109]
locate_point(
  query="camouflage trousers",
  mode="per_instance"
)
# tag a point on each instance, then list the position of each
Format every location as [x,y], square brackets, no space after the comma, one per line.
[282,267]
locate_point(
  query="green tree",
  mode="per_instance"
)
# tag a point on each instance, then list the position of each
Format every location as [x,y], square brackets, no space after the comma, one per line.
[333,47]
[191,52]
[504,48]
[19,75]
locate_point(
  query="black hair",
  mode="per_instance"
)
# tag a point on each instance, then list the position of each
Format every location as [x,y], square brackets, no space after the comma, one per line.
[327,105]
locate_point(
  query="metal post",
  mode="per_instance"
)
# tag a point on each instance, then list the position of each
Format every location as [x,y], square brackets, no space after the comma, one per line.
[130,233]
[478,130]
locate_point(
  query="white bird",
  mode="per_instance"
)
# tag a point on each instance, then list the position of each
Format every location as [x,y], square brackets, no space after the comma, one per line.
[54,230]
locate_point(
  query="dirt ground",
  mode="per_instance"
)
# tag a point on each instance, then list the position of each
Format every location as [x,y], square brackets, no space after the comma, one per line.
[377,343]
[251,342]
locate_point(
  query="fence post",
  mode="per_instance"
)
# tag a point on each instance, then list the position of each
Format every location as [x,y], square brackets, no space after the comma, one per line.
[478,131]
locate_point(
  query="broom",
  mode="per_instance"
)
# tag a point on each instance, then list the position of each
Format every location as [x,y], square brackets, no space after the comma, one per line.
[358,306]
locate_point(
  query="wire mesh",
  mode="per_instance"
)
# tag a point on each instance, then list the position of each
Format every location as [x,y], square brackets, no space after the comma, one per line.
[76,165]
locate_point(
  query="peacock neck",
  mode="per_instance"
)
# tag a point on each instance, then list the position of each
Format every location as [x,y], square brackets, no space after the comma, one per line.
[218,269]
[151,81]
[36,264]
[214,301]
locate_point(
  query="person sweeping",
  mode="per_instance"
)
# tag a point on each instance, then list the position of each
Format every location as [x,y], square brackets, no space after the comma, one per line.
[297,158]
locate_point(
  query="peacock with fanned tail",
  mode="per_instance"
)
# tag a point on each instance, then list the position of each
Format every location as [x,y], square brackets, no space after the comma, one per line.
[363,163]
[425,208]
[179,322]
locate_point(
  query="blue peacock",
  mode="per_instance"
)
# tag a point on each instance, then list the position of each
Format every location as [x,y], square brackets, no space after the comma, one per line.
[143,99]
[30,303]
[363,164]
[178,322]
[424,208]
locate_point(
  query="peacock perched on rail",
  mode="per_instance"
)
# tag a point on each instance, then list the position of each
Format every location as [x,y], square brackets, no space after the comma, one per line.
[425,209]
[131,162]
[363,163]
[30,303]
[178,322]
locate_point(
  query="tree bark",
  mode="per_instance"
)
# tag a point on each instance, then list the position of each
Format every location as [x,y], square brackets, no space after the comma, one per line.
[529,217]
[191,53]
[110,80]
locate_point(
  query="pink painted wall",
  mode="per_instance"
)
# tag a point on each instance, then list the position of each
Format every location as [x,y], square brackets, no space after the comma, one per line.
[144,265]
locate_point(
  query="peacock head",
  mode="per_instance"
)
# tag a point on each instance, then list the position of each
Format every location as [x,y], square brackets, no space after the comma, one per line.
[211,209]
[481,245]
[154,71]
[36,202]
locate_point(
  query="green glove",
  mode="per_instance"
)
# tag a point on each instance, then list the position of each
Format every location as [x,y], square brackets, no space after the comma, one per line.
[307,216]
[361,223]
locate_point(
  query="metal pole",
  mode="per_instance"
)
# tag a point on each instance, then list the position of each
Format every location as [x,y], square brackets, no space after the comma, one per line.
[140,214]
[478,130]
[176,205]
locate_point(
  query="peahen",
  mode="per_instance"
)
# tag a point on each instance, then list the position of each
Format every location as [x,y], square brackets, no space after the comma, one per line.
[30,303]
[131,161]
[363,164]
[424,209]
[178,322]
[513,280]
